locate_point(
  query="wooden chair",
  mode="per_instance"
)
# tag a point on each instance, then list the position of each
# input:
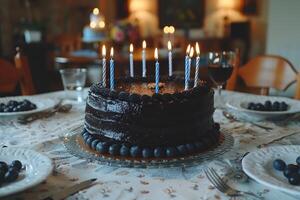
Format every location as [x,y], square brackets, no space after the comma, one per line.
[25,80]
[8,77]
[11,75]
[68,43]
[265,72]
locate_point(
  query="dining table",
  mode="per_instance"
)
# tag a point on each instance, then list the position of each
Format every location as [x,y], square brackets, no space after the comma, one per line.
[116,182]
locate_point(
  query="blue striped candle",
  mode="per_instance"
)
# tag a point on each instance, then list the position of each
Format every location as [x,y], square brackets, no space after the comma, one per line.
[156,71]
[112,70]
[103,66]
[186,63]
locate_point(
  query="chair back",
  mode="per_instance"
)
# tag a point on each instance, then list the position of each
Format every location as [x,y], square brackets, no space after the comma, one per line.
[68,43]
[266,72]
[25,78]
[9,77]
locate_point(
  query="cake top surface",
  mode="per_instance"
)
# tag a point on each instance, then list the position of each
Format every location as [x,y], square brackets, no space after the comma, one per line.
[143,89]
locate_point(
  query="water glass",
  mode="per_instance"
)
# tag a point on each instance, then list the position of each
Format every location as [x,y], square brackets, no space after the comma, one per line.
[73,81]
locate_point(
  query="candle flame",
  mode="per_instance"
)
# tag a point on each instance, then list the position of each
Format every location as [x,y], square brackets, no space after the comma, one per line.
[197,49]
[188,49]
[156,54]
[192,52]
[166,29]
[111,52]
[101,24]
[144,44]
[172,29]
[169,46]
[95,11]
[131,48]
[103,51]
[93,24]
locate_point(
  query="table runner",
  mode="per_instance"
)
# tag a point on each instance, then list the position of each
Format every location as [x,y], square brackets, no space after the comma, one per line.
[128,183]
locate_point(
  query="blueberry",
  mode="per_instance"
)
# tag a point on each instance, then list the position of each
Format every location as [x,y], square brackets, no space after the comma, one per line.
[135,151]
[293,167]
[279,164]
[124,150]
[89,141]
[159,152]
[11,175]
[298,160]
[114,149]
[32,106]
[12,103]
[251,106]
[287,173]
[182,149]
[26,101]
[199,146]
[16,164]
[268,105]
[275,106]
[171,152]
[190,147]
[283,106]
[102,147]
[147,153]
[290,169]
[2,179]
[294,179]
[259,107]
[85,137]
[84,132]
[3,167]
[94,144]
[8,109]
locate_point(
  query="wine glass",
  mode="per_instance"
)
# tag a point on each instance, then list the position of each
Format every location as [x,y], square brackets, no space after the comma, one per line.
[220,66]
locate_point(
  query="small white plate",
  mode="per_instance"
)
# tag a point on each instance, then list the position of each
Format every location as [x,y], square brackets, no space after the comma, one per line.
[41,103]
[37,169]
[240,105]
[258,165]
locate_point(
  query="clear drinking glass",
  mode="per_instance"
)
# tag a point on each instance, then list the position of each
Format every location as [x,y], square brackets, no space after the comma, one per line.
[73,81]
[220,66]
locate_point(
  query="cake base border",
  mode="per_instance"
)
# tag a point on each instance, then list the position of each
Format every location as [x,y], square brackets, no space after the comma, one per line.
[76,147]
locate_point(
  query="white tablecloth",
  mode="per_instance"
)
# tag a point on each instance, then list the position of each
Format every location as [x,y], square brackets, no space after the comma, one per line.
[129,183]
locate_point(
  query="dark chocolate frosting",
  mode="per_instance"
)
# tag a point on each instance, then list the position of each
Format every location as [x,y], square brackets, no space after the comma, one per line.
[133,114]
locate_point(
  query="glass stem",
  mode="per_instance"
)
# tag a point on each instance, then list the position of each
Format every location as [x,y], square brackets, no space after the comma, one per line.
[219,97]
[219,88]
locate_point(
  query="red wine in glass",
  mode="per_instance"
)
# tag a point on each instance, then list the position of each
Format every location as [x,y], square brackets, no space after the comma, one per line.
[220,73]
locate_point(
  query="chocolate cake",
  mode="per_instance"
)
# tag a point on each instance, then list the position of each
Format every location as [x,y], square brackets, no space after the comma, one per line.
[134,121]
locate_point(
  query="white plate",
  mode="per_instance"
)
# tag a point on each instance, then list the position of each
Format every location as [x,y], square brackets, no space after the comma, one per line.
[37,169]
[41,103]
[258,166]
[240,104]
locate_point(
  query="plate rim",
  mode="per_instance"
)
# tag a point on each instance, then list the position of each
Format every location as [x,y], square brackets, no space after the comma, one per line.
[21,113]
[46,172]
[264,182]
[273,113]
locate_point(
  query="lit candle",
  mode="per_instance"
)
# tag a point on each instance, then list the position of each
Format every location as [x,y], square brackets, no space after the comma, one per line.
[112,70]
[190,63]
[96,11]
[197,65]
[103,66]
[156,71]
[186,82]
[131,60]
[170,58]
[144,59]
